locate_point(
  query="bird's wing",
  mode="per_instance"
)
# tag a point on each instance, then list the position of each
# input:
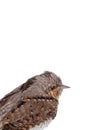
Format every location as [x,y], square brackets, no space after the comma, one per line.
[12,98]
[20,89]
[30,112]
[8,96]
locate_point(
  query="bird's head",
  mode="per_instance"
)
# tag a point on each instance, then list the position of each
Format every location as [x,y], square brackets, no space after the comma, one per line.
[55,86]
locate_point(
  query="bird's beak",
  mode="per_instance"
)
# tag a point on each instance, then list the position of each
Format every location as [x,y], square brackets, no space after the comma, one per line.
[64,86]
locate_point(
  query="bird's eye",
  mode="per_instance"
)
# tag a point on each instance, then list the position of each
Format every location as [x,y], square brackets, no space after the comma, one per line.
[53,87]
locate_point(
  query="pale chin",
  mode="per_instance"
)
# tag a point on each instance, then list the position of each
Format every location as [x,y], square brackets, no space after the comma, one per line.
[60,94]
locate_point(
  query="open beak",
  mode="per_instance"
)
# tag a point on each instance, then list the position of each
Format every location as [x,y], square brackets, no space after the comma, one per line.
[64,86]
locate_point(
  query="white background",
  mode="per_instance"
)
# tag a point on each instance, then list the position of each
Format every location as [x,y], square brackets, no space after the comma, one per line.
[66,37]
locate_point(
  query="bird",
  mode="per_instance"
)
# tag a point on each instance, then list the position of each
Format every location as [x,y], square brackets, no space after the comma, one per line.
[32,105]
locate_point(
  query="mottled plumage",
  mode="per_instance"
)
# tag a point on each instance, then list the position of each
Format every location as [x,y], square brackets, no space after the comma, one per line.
[31,105]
